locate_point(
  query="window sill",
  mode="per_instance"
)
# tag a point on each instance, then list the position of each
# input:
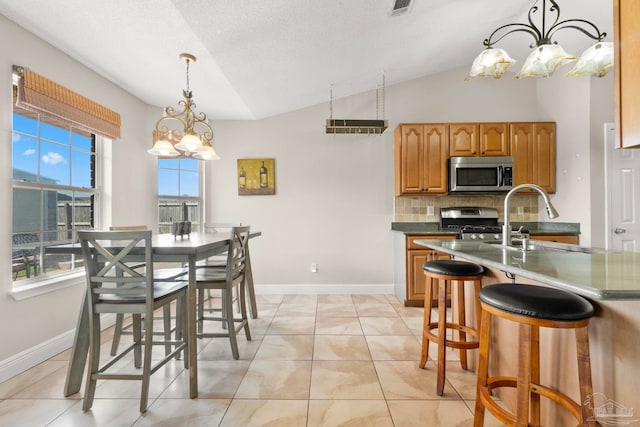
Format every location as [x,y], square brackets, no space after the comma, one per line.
[41,287]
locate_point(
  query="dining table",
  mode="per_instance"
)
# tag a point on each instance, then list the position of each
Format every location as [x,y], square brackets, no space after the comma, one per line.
[166,248]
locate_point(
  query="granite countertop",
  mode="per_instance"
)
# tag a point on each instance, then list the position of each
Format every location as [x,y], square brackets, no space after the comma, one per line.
[540,228]
[600,275]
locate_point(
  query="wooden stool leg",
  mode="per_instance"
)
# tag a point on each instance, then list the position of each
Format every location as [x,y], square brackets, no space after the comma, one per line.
[524,376]
[427,320]
[442,334]
[483,365]
[462,336]
[584,376]
[535,374]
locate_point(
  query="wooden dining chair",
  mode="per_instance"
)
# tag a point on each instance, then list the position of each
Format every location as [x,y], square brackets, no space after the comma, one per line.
[228,280]
[114,287]
[160,275]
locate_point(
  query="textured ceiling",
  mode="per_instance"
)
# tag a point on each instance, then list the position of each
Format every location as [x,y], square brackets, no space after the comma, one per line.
[258,58]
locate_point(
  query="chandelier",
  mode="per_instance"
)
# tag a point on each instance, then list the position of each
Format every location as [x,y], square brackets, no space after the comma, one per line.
[547,55]
[185,141]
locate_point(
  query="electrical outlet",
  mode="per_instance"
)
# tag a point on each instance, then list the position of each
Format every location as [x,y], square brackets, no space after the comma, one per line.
[431,211]
[520,210]
[314,267]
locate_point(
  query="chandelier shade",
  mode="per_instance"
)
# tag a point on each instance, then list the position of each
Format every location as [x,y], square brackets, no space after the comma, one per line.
[491,62]
[596,61]
[184,133]
[547,55]
[544,60]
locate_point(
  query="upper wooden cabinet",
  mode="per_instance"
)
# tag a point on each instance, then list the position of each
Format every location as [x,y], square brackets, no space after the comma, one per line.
[421,153]
[626,22]
[478,139]
[533,148]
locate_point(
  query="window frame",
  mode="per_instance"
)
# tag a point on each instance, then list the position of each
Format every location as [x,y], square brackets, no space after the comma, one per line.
[164,226]
[39,284]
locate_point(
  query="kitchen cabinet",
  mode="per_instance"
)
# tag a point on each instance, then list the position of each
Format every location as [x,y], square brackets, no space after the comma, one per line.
[533,149]
[417,255]
[626,23]
[421,153]
[560,238]
[478,139]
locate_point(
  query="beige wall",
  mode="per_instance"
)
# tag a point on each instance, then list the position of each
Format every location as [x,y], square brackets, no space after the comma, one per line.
[334,194]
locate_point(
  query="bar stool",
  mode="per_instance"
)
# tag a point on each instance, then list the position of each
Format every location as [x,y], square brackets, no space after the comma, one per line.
[532,307]
[446,272]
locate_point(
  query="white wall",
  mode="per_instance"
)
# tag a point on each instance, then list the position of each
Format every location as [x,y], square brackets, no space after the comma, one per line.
[334,194]
[26,323]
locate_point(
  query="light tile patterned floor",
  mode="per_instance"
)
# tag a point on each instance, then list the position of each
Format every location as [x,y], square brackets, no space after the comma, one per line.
[325,360]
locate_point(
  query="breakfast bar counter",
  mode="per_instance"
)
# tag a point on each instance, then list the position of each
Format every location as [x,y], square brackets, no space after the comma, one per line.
[592,273]
[610,280]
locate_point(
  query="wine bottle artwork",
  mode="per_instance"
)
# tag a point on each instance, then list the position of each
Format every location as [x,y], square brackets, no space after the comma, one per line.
[242,178]
[264,177]
[256,177]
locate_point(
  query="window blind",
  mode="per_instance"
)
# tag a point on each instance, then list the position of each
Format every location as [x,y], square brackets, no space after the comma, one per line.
[39,94]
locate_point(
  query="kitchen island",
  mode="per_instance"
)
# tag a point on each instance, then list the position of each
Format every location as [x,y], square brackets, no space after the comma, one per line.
[610,280]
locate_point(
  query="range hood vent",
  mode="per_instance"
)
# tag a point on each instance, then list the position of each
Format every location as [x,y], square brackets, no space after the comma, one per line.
[355,126]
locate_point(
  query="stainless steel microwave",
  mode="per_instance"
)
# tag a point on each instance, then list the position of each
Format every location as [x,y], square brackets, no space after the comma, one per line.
[468,174]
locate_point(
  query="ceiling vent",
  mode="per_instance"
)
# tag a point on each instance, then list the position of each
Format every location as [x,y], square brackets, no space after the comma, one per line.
[400,7]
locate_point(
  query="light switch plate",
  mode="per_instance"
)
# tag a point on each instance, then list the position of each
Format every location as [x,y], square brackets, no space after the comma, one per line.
[430,211]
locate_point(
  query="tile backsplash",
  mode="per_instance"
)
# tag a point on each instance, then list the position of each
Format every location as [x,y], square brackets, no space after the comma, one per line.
[415,208]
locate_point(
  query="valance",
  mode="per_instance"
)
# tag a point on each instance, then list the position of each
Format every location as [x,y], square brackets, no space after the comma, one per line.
[44,96]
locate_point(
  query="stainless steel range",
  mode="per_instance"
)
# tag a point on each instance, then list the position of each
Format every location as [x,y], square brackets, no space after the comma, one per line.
[472,223]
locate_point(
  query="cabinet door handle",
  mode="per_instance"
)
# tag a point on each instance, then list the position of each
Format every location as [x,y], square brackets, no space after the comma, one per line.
[619,231]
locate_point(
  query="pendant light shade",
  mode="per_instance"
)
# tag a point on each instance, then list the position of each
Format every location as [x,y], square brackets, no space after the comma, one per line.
[548,55]
[163,147]
[490,62]
[544,60]
[596,61]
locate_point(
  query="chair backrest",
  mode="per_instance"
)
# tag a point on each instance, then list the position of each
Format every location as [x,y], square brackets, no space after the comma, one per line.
[237,253]
[109,278]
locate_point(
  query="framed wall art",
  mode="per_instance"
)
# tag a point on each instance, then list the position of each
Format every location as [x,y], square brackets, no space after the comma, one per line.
[256,177]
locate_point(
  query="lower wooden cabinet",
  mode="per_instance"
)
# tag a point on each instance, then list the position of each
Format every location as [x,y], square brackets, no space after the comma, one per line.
[417,255]
[561,238]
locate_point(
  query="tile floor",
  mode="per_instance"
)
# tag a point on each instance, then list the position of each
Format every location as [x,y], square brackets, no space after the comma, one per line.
[315,360]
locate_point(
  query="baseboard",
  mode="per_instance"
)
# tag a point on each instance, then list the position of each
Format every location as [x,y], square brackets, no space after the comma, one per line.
[323,289]
[29,358]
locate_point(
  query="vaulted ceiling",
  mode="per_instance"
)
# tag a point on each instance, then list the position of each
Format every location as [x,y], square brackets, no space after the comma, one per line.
[259,58]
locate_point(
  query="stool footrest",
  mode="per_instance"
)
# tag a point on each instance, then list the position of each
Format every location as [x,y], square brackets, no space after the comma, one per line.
[465,345]
[541,390]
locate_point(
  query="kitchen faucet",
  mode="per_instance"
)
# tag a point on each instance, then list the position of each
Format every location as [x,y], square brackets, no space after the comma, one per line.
[506,228]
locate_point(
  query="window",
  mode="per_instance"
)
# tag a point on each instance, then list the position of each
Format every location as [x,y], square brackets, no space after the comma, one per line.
[178,192]
[54,191]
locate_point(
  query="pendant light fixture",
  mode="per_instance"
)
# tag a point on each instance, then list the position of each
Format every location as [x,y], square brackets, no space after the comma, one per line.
[547,55]
[194,134]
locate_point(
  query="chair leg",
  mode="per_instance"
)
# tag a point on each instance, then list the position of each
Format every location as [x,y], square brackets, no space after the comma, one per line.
[535,375]
[462,336]
[200,310]
[584,375]
[483,365]
[137,339]
[94,362]
[442,335]
[184,333]
[425,324]
[227,300]
[523,390]
[117,333]
[146,369]
[243,312]
[166,318]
